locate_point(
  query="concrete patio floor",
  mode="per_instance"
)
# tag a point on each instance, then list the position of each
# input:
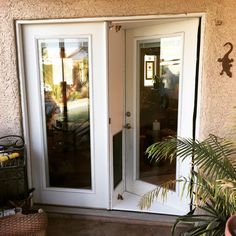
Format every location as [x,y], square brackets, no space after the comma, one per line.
[66,224]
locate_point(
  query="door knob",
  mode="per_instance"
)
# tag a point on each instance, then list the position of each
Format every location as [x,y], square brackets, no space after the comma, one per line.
[127,126]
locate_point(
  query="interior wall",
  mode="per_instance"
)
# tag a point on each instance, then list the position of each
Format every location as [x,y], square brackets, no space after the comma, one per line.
[217,92]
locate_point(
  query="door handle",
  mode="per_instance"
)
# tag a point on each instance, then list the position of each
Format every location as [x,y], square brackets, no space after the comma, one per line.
[127,126]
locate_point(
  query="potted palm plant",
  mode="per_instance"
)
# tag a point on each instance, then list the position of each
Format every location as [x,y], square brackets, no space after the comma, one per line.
[212,183]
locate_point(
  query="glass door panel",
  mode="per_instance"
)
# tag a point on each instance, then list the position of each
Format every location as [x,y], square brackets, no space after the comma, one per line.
[65,111]
[64,67]
[160,69]
[160,85]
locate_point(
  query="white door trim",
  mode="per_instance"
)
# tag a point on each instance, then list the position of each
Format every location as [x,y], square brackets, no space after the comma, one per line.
[115,19]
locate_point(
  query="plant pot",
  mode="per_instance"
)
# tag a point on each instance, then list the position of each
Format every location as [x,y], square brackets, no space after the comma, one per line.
[230,228]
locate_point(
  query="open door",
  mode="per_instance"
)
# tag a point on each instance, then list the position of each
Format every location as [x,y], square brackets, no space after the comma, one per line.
[160,91]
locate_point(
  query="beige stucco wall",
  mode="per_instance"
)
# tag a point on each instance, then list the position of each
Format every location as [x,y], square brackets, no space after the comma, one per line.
[217,94]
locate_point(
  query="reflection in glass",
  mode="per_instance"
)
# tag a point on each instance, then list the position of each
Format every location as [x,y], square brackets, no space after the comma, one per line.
[160,59]
[64,69]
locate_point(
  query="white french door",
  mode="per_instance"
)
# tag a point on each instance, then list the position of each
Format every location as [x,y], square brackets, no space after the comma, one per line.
[64,82]
[164,53]
[66,112]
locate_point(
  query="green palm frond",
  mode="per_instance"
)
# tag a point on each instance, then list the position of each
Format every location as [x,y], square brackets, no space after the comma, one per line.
[148,198]
[205,190]
[228,186]
[210,222]
[217,151]
[162,190]
[212,182]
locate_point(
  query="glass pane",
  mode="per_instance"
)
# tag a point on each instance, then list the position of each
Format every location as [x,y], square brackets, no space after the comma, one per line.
[160,68]
[64,68]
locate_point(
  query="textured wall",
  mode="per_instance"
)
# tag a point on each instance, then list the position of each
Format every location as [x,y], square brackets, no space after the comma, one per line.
[218,92]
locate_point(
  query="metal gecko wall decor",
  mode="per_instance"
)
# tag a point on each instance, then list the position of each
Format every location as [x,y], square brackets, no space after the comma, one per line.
[226,62]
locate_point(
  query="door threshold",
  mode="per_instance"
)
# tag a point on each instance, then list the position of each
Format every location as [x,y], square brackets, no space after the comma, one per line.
[130,203]
[121,216]
[125,210]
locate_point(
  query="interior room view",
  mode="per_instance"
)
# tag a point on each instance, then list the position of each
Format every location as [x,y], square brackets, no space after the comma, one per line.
[159,82]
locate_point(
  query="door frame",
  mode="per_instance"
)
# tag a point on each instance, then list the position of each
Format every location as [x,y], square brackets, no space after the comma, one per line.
[21,70]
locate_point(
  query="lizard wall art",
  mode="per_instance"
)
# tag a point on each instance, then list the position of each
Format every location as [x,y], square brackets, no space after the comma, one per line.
[226,62]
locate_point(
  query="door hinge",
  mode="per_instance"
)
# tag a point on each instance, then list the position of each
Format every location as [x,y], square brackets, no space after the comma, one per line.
[109,120]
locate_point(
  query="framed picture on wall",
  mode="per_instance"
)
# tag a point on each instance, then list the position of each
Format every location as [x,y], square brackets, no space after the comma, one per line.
[149,70]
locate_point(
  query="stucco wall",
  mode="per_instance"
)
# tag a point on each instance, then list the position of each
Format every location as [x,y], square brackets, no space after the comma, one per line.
[217,93]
